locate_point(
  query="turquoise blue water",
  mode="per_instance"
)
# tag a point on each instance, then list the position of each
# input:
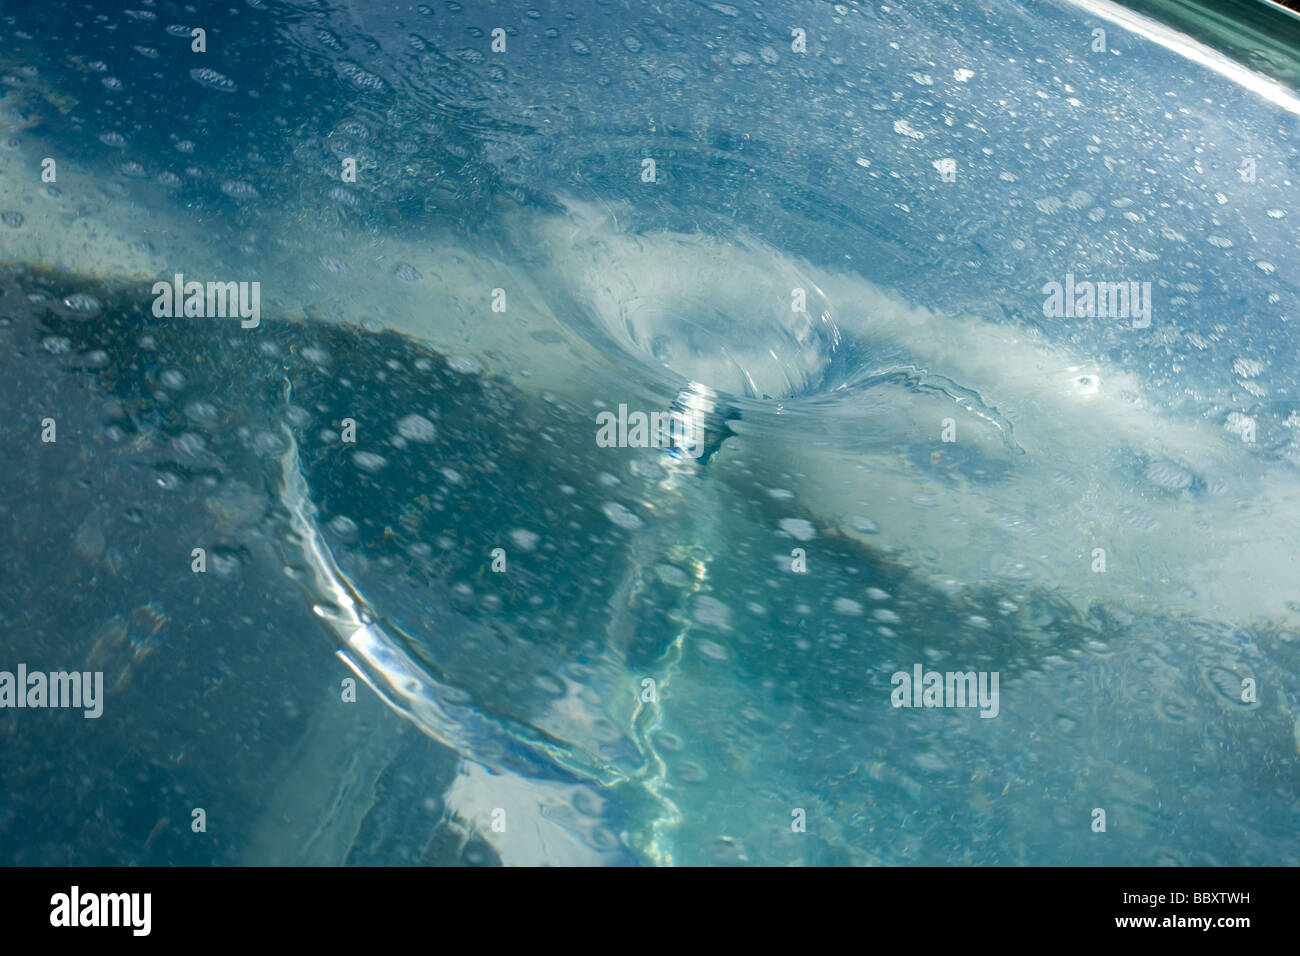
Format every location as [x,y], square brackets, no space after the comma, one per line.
[825,237]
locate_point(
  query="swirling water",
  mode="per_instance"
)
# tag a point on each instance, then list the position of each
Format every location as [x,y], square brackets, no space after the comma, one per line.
[840,223]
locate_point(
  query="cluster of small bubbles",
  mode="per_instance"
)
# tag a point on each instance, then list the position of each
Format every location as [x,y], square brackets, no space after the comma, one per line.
[201,411]
[465,364]
[344,527]
[355,129]
[11,219]
[225,563]
[710,612]
[524,539]
[800,529]
[407,272]
[269,443]
[206,76]
[1167,475]
[1247,367]
[344,196]
[330,40]
[1239,424]
[620,515]
[114,139]
[297,416]
[94,358]
[360,78]
[81,304]
[415,427]
[331,264]
[190,445]
[369,461]
[237,189]
[711,650]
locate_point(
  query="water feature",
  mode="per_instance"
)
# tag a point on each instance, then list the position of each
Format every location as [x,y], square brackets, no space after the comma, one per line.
[826,237]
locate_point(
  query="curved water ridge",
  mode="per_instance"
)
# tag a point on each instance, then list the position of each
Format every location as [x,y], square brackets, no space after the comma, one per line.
[731,314]
[735,315]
